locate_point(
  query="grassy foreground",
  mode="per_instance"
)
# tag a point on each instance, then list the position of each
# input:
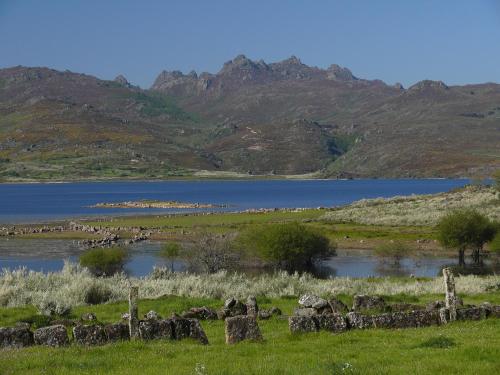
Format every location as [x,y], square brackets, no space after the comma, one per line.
[459,348]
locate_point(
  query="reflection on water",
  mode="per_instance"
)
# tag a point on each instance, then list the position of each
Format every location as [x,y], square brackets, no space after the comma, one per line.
[49,255]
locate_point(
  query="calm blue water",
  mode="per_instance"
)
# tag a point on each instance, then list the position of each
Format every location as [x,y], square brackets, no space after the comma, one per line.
[30,203]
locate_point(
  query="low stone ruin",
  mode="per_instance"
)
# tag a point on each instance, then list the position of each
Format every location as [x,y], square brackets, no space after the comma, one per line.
[332,315]
[16,337]
[55,336]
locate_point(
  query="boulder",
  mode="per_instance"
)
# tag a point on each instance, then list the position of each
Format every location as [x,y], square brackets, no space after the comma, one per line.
[152,315]
[251,305]
[90,335]
[435,305]
[88,317]
[364,302]
[117,331]
[304,311]
[201,313]
[266,314]
[332,322]
[231,308]
[337,306]
[360,321]
[471,313]
[491,310]
[310,300]
[302,324]
[189,328]
[230,302]
[152,329]
[15,337]
[243,327]
[276,311]
[55,335]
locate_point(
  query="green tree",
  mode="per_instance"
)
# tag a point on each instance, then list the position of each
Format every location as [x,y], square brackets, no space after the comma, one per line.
[170,251]
[104,262]
[290,246]
[463,229]
[393,250]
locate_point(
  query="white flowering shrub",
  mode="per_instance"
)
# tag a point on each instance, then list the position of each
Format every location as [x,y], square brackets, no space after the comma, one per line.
[54,293]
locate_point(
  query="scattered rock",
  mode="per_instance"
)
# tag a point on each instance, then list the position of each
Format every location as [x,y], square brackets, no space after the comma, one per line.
[232,307]
[202,313]
[90,335]
[189,328]
[152,315]
[88,317]
[240,328]
[15,337]
[230,302]
[310,300]
[55,335]
[364,302]
[337,306]
[126,316]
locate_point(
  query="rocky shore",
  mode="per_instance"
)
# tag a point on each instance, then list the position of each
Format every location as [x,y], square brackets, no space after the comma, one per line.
[155,204]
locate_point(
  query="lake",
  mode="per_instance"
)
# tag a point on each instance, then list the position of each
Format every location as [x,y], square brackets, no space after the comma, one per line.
[33,203]
[49,255]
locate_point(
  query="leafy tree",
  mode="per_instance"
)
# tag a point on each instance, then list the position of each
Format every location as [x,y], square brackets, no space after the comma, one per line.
[212,253]
[290,246]
[393,250]
[463,229]
[170,250]
[104,262]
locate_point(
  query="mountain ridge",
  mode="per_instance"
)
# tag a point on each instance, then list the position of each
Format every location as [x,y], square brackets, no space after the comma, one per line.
[250,117]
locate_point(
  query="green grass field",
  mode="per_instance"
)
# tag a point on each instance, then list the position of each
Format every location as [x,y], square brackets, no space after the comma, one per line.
[458,348]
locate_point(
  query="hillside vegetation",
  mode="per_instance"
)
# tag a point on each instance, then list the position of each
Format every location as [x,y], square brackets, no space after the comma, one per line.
[418,209]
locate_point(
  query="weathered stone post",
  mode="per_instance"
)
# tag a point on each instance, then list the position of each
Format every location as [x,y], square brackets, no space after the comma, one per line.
[450,299]
[133,310]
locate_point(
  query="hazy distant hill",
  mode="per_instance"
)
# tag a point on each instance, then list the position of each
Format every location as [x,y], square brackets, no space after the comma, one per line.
[279,118]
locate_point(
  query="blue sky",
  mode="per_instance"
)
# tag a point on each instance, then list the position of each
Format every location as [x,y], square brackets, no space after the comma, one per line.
[456,41]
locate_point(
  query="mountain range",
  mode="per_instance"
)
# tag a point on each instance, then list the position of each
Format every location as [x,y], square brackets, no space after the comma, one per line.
[251,118]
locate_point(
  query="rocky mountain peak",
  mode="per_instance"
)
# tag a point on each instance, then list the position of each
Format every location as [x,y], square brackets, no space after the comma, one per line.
[122,80]
[428,84]
[338,73]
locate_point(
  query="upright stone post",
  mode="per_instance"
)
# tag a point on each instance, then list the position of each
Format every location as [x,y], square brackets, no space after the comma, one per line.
[133,311]
[451,298]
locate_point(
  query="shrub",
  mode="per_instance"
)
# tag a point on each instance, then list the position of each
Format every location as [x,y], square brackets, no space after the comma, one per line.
[97,294]
[290,246]
[50,305]
[393,250]
[104,262]
[212,253]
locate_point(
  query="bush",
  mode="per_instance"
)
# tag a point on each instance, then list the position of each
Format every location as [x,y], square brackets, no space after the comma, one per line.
[52,306]
[291,246]
[104,262]
[97,294]
[212,253]
[464,229]
[393,250]
[170,250]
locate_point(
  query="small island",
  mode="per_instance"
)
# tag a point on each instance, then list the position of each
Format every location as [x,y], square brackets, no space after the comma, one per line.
[156,204]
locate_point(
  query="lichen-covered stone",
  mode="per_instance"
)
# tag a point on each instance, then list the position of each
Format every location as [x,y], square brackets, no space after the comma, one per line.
[152,329]
[302,324]
[243,327]
[90,335]
[88,317]
[395,307]
[406,319]
[337,306]
[251,305]
[196,331]
[15,337]
[435,305]
[201,313]
[364,302]
[117,331]
[360,321]
[55,335]
[231,308]
[152,315]
[471,313]
[332,322]
[310,300]
[304,311]
[491,310]
[266,314]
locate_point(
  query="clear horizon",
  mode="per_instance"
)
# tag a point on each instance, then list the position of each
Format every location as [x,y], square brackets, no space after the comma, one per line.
[452,41]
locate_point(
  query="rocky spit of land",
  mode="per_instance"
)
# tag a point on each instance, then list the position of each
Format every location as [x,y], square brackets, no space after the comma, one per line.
[156,204]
